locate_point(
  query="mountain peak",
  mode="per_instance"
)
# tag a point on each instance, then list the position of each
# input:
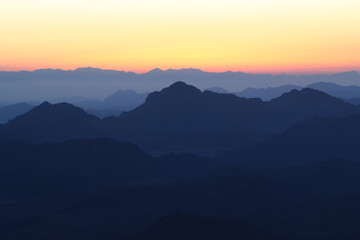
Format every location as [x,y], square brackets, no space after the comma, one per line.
[125,98]
[178,90]
[44,104]
[186,70]
[179,84]
[322,84]
[310,91]
[53,122]
[48,111]
[63,105]
[303,93]
[88,69]
[181,87]
[156,70]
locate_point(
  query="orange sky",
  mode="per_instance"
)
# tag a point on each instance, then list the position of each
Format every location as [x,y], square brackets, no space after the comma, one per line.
[214,35]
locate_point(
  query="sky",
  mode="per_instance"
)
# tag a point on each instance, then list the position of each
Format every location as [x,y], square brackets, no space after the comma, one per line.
[260,36]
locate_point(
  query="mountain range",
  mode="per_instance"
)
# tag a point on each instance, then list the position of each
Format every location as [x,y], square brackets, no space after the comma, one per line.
[113,105]
[177,113]
[97,83]
[266,94]
[287,168]
[126,100]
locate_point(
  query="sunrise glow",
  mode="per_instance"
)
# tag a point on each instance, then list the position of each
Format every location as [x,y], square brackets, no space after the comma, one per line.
[213,35]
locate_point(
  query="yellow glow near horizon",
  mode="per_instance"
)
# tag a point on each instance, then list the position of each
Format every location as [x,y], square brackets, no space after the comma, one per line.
[214,35]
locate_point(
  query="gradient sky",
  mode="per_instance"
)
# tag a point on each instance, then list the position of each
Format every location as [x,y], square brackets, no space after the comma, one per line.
[214,35]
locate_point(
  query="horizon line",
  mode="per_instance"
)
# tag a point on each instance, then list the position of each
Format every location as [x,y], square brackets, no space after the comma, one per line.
[157,69]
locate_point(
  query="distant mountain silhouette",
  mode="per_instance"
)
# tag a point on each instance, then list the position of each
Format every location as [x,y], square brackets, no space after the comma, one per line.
[217,90]
[76,100]
[266,94]
[332,89]
[58,122]
[337,90]
[178,226]
[94,82]
[125,98]
[11,111]
[113,105]
[304,144]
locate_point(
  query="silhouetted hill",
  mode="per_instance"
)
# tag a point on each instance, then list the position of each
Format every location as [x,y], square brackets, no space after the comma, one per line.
[113,105]
[337,90]
[330,88]
[266,94]
[78,101]
[178,226]
[299,105]
[57,122]
[182,108]
[124,98]
[11,111]
[305,143]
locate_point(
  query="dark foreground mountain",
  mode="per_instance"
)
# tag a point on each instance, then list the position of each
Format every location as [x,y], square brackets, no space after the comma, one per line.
[53,123]
[182,107]
[84,165]
[11,111]
[318,202]
[178,226]
[304,144]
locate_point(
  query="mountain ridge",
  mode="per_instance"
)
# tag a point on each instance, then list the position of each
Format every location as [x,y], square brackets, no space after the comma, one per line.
[181,110]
